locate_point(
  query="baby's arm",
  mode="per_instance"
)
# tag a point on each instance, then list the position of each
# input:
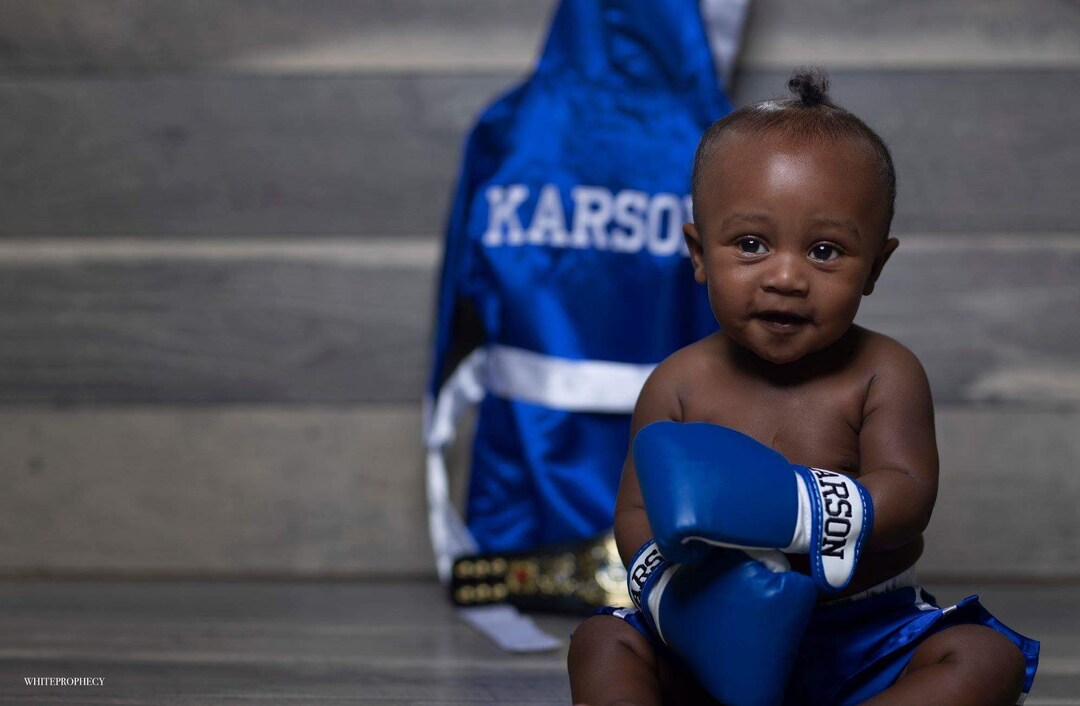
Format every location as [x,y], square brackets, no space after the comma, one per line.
[897,448]
[658,400]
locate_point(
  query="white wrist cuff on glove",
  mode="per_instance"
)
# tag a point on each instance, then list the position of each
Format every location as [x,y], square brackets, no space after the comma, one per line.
[835,515]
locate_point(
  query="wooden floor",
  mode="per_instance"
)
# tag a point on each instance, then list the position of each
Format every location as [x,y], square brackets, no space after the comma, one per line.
[341,643]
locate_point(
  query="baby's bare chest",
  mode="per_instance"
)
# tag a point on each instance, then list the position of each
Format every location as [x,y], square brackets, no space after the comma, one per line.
[814,425]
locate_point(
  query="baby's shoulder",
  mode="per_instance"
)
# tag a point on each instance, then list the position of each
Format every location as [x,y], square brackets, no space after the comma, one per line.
[691,362]
[688,368]
[894,375]
[879,354]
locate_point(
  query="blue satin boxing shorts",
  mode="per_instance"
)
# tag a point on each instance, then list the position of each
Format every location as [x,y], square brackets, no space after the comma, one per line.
[855,647]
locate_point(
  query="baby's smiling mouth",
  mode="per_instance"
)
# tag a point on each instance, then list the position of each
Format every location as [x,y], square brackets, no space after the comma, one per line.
[782,319]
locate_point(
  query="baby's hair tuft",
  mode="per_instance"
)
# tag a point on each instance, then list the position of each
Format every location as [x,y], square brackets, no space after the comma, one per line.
[810,84]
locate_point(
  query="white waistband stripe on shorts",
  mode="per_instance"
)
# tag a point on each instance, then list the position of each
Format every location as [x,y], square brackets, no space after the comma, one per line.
[901,580]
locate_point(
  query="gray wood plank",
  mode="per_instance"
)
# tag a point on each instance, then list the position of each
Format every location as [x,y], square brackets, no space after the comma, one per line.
[949,34]
[108,36]
[177,681]
[339,492]
[994,319]
[214,329]
[255,491]
[391,643]
[1007,497]
[378,155]
[273,36]
[278,157]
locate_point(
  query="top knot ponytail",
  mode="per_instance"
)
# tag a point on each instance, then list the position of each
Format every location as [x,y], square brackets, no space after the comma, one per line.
[811,85]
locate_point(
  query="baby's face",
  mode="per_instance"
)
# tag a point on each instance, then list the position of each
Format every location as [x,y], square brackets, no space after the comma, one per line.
[789,241]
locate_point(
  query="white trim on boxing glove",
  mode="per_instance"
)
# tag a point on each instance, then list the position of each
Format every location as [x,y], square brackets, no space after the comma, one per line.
[835,517]
[655,594]
[646,580]
[773,559]
[646,561]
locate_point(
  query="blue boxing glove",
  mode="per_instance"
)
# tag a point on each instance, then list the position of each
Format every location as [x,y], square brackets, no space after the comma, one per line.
[734,620]
[709,485]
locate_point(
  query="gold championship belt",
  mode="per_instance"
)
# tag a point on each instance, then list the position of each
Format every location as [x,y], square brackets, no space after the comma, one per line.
[575,577]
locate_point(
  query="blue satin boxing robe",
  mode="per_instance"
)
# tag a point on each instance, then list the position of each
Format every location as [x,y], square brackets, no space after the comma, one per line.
[565,277]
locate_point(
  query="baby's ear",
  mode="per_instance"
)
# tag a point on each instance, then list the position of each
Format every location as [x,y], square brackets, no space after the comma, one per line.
[697,251]
[887,250]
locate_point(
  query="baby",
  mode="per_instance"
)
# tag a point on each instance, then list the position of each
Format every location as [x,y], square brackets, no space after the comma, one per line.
[793,202]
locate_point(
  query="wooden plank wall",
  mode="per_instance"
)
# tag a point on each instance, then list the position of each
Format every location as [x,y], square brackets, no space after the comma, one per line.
[219,230]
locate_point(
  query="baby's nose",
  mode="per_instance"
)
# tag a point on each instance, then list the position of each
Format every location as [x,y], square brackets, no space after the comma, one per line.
[786,275]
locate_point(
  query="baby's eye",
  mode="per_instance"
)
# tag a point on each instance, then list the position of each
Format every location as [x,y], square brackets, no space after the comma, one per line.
[752,246]
[824,252]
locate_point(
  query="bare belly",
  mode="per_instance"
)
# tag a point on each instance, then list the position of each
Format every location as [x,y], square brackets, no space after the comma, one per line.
[873,568]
